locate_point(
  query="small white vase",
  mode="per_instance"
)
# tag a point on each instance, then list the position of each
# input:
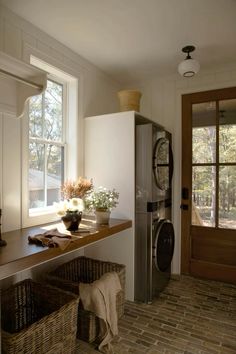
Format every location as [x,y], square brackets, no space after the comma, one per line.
[102,217]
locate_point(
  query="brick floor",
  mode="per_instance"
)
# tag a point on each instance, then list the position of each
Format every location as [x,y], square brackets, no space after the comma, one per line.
[191,316]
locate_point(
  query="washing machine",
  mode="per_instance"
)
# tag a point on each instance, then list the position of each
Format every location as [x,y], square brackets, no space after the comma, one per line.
[154,232]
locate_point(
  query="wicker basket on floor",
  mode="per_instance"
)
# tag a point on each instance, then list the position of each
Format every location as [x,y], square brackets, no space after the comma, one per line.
[37,318]
[86,270]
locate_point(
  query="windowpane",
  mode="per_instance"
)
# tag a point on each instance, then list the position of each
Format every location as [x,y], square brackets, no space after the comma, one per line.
[55,175]
[36,175]
[204,132]
[203,195]
[227,131]
[46,160]
[204,114]
[204,145]
[227,197]
[35,117]
[53,111]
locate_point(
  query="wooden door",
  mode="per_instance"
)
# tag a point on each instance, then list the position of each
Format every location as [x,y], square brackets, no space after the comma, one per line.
[209,184]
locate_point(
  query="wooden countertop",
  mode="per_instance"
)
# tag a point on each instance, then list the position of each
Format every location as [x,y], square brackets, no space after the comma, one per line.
[19,255]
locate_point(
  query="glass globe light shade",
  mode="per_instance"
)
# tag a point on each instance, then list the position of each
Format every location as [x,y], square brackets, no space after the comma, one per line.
[188,67]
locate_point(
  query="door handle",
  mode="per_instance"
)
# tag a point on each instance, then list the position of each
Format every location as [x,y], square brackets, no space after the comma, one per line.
[184,206]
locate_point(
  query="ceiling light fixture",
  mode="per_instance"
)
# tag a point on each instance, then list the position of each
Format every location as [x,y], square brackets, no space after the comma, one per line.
[188,67]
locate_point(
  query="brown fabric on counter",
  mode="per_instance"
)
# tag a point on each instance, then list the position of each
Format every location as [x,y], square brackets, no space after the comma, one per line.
[51,238]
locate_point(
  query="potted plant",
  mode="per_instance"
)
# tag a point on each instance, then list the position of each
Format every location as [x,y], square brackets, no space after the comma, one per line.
[70,212]
[71,207]
[101,201]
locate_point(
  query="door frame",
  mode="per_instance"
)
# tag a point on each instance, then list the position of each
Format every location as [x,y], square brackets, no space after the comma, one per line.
[186,262]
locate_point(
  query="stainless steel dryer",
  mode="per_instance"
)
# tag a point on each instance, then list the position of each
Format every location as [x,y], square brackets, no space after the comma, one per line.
[154,233]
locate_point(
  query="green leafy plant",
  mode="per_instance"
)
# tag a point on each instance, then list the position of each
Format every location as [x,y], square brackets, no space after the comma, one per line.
[101,199]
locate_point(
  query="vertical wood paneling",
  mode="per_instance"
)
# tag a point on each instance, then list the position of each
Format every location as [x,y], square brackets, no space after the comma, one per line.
[11,181]
[13,40]
[1,33]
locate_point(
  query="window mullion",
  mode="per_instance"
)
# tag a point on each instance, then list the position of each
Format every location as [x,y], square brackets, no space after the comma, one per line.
[45,141]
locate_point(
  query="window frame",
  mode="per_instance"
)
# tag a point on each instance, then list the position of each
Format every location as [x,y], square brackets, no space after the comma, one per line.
[45,142]
[71,141]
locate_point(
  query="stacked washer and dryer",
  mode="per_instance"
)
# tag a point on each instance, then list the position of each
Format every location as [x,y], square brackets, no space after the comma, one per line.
[154,233]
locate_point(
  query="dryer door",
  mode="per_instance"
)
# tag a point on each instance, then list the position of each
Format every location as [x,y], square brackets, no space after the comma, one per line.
[162,163]
[164,241]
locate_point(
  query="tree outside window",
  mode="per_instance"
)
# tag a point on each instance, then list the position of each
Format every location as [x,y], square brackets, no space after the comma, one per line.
[46,146]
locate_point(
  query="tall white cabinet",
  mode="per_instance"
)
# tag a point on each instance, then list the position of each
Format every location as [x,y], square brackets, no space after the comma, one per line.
[110,162]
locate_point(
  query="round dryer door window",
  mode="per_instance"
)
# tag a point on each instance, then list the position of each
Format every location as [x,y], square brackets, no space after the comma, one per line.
[162,164]
[164,241]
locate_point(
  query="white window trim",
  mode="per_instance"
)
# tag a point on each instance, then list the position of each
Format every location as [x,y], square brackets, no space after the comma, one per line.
[71,143]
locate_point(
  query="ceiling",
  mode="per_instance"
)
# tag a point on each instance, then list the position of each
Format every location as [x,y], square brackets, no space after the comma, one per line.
[133,40]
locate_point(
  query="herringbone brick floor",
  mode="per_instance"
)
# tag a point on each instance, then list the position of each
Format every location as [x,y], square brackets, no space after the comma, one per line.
[191,316]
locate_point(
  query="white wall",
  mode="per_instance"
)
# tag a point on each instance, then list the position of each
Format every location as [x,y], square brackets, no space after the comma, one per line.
[97,95]
[161,101]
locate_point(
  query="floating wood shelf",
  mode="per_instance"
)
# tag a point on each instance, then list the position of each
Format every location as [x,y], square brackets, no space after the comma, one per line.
[19,255]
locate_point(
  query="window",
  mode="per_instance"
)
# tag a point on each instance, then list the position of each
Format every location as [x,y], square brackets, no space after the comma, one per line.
[46,146]
[52,146]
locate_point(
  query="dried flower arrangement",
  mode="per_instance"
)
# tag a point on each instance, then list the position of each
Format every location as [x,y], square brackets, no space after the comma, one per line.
[76,189]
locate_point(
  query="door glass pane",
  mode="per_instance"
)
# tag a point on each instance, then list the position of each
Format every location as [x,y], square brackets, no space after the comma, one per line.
[227,131]
[204,132]
[227,197]
[36,175]
[204,145]
[203,195]
[55,177]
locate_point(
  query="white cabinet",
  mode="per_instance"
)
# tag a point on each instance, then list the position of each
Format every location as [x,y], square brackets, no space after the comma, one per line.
[110,162]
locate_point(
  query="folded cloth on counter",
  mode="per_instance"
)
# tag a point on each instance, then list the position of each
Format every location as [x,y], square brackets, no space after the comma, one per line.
[99,297]
[51,238]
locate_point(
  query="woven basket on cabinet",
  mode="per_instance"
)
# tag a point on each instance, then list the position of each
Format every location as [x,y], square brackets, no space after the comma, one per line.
[86,270]
[37,318]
